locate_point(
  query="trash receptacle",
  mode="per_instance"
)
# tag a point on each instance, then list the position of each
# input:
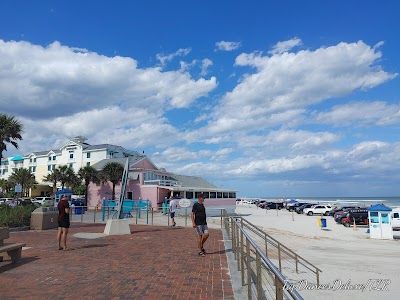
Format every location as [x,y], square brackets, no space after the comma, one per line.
[323,223]
[78,210]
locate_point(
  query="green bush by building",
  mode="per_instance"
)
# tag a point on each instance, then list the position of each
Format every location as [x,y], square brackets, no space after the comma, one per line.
[15,216]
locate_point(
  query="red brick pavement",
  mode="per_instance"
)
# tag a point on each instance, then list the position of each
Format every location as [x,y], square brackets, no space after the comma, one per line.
[151,263]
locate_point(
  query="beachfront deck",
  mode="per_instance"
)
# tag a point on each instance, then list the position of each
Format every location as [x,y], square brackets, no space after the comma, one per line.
[151,263]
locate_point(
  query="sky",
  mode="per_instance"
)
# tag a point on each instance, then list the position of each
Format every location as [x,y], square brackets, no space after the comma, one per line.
[296,98]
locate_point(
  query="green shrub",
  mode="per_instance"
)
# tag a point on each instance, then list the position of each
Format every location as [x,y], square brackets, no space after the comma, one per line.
[15,216]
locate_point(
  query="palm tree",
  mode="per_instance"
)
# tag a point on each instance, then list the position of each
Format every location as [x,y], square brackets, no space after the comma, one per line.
[10,132]
[53,177]
[67,176]
[3,186]
[88,174]
[25,178]
[112,172]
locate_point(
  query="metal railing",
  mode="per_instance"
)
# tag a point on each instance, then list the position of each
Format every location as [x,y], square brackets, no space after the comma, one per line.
[262,278]
[92,214]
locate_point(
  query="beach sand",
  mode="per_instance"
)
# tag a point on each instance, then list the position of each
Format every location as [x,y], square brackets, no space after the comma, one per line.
[341,253]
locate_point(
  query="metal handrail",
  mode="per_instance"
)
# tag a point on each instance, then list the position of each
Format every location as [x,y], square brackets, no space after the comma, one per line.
[286,249]
[268,264]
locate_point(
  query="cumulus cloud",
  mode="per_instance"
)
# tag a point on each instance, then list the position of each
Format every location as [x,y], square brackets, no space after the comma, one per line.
[205,64]
[285,46]
[227,46]
[290,82]
[44,82]
[166,58]
[376,113]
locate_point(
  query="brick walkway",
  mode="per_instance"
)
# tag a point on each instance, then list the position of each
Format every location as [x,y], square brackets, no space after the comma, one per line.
[151,263]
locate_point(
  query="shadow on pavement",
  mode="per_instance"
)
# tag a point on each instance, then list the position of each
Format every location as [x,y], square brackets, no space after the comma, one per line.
[21,262]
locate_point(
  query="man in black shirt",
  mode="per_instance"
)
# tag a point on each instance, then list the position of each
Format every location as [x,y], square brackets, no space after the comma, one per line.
[199,222]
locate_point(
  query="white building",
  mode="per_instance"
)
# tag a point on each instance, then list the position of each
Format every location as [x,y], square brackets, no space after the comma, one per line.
[75,154]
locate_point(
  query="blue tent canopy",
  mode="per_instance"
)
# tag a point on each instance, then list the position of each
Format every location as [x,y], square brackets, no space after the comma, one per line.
[379,207]
[66,192]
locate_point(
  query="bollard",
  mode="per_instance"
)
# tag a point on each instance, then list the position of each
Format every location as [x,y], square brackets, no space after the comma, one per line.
[152,216]
[94,215]
[82,214]
[186,216]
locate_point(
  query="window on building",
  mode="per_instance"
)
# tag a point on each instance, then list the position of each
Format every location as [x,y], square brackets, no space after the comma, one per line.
[219,195]
[88,164]
[54,167]
[213,195]
[33,169]
[206,195]
[71,165]
[49,158]
[71,155]
[88,155]
[232,195]
[30,160]
[34,160]
[225,195]
[49,168]
[189,195]
[54,157]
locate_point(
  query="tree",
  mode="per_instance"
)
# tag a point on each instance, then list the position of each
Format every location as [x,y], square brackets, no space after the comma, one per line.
[112,172]
[67,176]
[25,178]
[53,177]
[88,174]
[10,132]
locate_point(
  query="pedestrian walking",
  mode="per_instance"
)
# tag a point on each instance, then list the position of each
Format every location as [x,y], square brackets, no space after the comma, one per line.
[200,223]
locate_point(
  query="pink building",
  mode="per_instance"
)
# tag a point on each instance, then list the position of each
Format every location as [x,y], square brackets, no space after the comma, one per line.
[146,181]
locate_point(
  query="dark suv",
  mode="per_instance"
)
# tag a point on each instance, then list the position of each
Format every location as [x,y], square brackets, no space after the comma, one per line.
[359,216]
[300,208]
[272,205]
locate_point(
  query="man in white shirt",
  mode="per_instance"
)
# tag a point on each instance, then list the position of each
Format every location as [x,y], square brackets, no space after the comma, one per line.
[173,205]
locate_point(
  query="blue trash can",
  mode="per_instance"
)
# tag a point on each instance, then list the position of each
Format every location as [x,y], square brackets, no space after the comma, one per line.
[78,210]
[323,223]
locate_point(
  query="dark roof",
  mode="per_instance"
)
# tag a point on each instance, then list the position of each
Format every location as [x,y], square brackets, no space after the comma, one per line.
[132,159]
[40,153]
[193,181]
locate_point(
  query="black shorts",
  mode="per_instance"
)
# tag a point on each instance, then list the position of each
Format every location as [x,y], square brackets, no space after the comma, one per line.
[172,215]
[64,223]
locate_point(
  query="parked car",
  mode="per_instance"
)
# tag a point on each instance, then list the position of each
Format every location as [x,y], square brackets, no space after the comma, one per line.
[338,209]
[396,218]
[318,209]
[5,200]
[272,205]
[261,202]
[301,208]
[44,201]
[295,205]
[359,216]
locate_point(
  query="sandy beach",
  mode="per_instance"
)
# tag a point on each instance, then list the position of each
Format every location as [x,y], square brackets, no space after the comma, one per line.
[344,254]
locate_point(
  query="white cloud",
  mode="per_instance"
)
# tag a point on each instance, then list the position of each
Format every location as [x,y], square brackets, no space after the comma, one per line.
[288,83]
[205,64]
[227,46]
[166,58]
[45,82]
[361,114]
[129,127]
[285,46]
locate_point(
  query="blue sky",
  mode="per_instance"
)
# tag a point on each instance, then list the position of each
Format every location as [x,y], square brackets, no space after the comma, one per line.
[271,99]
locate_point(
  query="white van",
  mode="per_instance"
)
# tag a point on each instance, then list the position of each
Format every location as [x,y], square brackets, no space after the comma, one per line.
[396,218]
